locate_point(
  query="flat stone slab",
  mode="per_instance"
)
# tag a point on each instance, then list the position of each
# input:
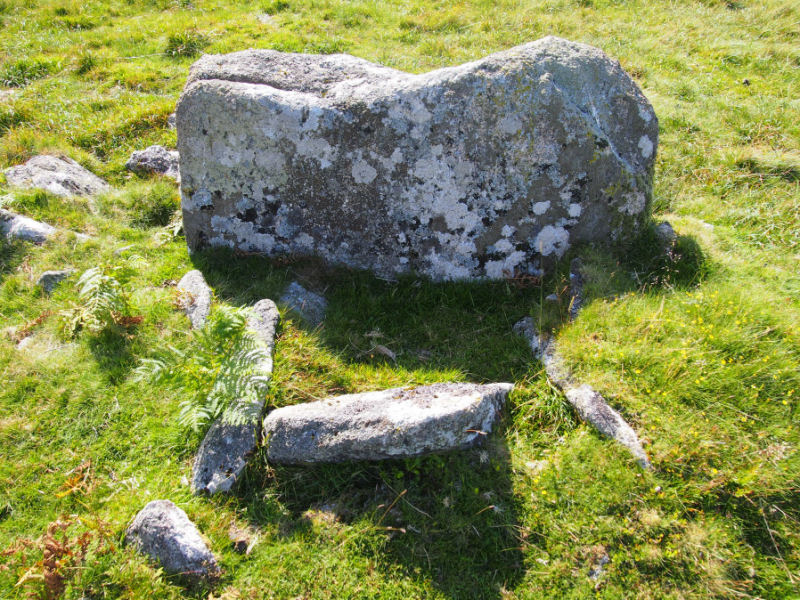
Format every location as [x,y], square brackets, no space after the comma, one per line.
[483,170]
[394,423]
[195,297]
[163,532]
[59,176]
[13,225]
[309,305]
[155,160]
[226,448]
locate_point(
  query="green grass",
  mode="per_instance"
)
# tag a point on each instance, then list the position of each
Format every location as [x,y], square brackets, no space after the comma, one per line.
[701,357]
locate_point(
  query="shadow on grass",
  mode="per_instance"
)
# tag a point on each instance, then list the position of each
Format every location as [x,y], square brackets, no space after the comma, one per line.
[450,519]
[12,253]
[111,349]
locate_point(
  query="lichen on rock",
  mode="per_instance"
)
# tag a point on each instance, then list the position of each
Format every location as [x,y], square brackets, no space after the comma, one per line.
[484,170]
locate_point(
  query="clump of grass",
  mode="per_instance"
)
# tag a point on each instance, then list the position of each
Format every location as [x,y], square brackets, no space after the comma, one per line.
[150,205]
[86,63]
[23,71]
[275,6]
[11,117]
[186,43]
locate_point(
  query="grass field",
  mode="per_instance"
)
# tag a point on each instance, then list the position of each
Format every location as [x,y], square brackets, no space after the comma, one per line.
[703,362]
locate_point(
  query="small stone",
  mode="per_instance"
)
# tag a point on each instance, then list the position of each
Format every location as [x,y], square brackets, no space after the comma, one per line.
[195,297]
[394,423]
[309,305]
[155,160]
[171,121]
[16,226]
[241,538]
[60,176]
[552,298]
[163,532]
[597,569]
[266,19]
[666,234]
[50,279]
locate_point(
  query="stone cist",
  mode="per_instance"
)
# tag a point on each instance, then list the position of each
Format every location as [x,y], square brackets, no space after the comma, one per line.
[485,170]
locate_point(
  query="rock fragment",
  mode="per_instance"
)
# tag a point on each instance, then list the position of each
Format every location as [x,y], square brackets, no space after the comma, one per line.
[588,403]
[195,297]
[60,176]
[226,448]
[163,532]
[13,225]
[666,234]
[394,423]
[155,160]
[482,170]
[49,280]
[309,305]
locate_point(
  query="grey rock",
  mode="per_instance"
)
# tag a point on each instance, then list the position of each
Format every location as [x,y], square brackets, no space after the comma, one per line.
[223,456]
[59,176]
[477,171]
[13,225]
[309,305]
[575,287]
[163,532]
[588,403]
[666,234]
[49,280]
[395,423]
[552,298]
[195,297]
[155,159]
[226,448]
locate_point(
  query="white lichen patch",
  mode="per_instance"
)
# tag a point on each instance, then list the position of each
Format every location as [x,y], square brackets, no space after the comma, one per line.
[552,241]
[539,208]
[362,171]
[646,146]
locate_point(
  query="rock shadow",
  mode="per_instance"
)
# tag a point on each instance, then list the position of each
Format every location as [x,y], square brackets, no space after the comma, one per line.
[449,520]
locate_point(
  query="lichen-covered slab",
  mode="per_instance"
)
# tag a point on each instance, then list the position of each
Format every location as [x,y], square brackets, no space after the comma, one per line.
[59,176]
[395,423]
[195,297]
[473,171]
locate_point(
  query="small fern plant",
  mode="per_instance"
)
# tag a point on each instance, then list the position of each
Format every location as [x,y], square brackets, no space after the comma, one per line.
[221,374]
[102,299]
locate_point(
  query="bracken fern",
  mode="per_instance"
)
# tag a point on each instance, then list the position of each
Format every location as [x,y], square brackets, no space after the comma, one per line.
[220,375]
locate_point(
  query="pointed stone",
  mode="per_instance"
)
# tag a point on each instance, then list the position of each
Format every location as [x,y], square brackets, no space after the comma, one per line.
[195,297]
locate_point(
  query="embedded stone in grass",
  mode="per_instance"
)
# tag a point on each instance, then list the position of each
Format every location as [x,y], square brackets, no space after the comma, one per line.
[163,532]
[195,297]
[309,305]
[666,234]
[588,403]
[16,226]
[155,159]
[394,423]
[49,280]
[226,448]
[60,176]
[474,171]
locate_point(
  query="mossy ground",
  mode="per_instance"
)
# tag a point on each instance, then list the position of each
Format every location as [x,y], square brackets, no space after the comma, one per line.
[702,360]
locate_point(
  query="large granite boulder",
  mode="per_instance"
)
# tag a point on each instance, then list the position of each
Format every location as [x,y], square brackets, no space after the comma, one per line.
[395,423]
[473,171]
[59,176]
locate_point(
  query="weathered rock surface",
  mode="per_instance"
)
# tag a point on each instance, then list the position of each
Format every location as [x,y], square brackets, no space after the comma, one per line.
[226,448]
[59,176]
[13,225]
[155,159]
[195,297]
[473,171]
[588,403]
[49,280]
[666,234]
[309,305]
[163,532]
[395,423]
